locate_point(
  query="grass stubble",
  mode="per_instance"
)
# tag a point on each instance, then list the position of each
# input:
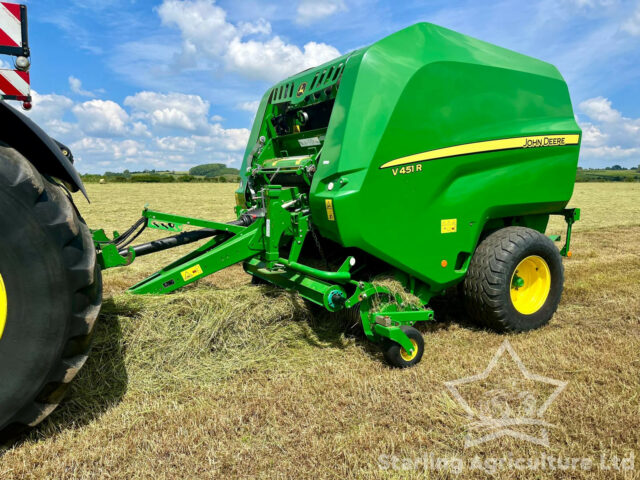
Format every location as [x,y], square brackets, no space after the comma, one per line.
[228,380]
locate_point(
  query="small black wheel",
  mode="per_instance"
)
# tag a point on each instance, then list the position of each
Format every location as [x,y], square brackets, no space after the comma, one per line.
[398,357]
[515,280]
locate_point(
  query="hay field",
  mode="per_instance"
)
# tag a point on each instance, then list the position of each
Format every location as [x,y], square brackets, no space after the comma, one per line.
[226,380]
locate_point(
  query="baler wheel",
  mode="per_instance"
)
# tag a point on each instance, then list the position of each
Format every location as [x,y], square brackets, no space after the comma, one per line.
[515,280]
[397,356]
[51,297]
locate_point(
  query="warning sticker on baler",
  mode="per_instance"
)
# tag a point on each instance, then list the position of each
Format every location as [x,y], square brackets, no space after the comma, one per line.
[330,215]
[192,272]
[310,142]
[449,225]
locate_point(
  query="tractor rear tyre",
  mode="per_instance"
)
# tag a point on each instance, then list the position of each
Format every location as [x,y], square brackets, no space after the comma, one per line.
[515,280]
[50,293]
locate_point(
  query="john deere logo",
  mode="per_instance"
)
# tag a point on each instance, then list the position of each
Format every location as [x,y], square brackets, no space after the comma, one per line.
[301,89]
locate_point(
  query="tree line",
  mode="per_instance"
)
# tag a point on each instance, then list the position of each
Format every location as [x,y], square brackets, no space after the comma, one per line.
[210,172]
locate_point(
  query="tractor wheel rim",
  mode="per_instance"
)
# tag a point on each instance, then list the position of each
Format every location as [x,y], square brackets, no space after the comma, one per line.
[530,285]
[3,305]
[406,356]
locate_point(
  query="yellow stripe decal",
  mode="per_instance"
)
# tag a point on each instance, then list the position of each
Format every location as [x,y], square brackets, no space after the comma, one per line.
[488,146]
[3,306]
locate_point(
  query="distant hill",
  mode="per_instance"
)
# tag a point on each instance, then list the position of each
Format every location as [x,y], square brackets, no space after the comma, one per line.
[210,170]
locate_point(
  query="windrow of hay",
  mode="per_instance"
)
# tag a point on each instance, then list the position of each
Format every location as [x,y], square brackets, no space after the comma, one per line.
[205,334]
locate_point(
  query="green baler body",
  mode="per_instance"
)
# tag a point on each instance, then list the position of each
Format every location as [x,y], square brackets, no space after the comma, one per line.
[407,151]
[413,93]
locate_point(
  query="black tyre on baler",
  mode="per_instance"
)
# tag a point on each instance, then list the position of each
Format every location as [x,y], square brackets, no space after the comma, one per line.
[514,282]
[398,357]
[50,293]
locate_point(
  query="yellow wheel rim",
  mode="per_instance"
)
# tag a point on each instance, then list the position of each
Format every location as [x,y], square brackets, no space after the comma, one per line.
[3,306]
[406,356]
[530,285]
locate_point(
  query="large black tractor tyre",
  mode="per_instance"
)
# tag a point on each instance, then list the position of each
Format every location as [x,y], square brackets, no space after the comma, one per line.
[50,293]
[514,282]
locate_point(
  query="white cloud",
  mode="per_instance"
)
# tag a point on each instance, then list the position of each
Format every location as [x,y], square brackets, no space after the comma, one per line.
[172,118]
[148,102]
[310,11]
[173,110]
[251,107]
[177,144]
[207,35]
[117,149]
[49,107]
[216,139]
[106,136]
[234,139]
[57,128]
[592,136]
[261,27]
[103,118]
[274,59]
[591,3]
[95,154]
[610,136]
[599,109]
[632,24]
[139,129]
[202,23]
[623,130]
[627,157]
[76,87]
[49,112]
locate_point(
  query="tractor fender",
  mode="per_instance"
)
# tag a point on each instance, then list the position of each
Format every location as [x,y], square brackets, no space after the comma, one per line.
[45,154]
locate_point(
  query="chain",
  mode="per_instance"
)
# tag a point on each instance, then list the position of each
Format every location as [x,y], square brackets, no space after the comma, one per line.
[274,175]
[317,242]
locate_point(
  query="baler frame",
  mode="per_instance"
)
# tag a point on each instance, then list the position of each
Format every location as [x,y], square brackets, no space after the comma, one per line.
[257,245]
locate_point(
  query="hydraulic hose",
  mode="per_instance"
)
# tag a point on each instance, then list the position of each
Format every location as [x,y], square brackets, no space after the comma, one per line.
[185,238]
[170,242]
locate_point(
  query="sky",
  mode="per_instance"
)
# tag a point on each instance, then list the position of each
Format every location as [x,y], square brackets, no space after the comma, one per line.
[169,84]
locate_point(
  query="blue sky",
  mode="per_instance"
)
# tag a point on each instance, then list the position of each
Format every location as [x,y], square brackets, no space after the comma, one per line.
[168,84]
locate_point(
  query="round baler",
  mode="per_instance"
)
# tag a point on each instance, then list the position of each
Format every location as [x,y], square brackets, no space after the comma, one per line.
[429,156]
[435,156]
